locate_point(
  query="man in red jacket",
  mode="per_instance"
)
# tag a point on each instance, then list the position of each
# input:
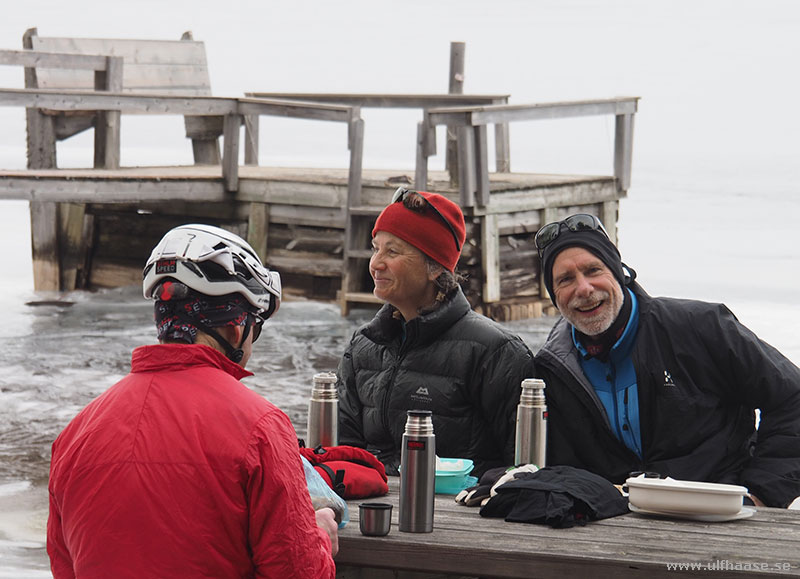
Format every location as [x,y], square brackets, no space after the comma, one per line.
[179,470]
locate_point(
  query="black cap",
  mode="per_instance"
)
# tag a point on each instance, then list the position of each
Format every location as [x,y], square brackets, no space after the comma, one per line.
[591,240]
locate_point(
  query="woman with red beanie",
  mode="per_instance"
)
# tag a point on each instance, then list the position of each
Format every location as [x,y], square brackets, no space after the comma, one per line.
[426,349]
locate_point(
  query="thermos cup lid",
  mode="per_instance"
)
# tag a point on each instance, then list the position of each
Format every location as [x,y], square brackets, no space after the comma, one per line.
[420,413]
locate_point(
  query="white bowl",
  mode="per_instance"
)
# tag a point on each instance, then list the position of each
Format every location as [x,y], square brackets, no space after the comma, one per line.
[679,496]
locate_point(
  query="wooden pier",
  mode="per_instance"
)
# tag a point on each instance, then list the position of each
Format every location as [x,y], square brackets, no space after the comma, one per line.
[94,227]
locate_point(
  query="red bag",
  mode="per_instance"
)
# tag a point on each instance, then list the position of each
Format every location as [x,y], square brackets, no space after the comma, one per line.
[352,472]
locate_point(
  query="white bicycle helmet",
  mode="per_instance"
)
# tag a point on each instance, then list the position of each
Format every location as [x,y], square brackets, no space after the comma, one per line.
[213,262]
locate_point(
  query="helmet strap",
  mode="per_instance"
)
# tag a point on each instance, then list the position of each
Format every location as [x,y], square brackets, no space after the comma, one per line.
[234,354]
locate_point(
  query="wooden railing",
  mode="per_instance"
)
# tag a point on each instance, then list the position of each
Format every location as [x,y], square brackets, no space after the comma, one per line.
[471,123]
[233,110]
[406,101]
[108,72]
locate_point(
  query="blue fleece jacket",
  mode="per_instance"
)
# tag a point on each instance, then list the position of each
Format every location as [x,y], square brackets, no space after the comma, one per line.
[614,382]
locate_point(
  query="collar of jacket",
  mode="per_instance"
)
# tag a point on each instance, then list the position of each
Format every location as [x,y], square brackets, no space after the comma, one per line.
[173,357]
[422,330]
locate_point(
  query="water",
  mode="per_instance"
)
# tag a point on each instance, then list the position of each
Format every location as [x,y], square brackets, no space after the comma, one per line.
[715,170]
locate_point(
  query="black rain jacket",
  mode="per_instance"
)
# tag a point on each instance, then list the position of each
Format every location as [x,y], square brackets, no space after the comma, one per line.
[700,374]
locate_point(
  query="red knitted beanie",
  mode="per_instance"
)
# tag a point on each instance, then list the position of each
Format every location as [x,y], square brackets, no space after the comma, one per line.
[427,230]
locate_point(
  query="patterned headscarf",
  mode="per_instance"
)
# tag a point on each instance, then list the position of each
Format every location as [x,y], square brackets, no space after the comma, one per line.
[180,313]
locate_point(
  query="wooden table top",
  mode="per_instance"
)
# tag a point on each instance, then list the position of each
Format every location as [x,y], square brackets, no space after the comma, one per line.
[631,545]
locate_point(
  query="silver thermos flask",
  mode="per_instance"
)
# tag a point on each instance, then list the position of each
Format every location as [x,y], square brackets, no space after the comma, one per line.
[531,443]
[323,412]
[417,473]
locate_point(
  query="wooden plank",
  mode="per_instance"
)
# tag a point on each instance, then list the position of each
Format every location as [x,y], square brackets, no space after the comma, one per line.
[251,139]
[298,110]
[625,546]
[502,144]
[490,258]
[151,51]
[63,100]
[389,100]
[44,246]
[307,263]
[421,163]
[258,229]
[150,65]
[111,275]
[466,167]
[506,113]
[356,146]
[71,245]
[482,194]
[41,140]
[623,151]
[107,134]
[230,155]
[43,59]
[455,86]
[608,215]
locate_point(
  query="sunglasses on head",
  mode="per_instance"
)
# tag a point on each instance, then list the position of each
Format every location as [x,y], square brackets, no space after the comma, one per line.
[578,222]
[401,194]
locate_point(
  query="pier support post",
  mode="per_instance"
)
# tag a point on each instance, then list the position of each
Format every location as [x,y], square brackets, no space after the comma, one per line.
[456,86]
[258,229]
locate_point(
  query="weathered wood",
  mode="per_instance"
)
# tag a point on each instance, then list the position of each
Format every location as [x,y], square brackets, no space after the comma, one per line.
[44,246]
[466,167]
[455,86]
[502,144]
[402,101]
[481,165]
[484,115]
[356,146]
[71,244]
[421,162]
[308,263]
[608,215]
[108,124]
[251,136]
[312,224]
[490,251]
[160,66]
[258,229]
[230,155]
[623,151]
[43,59]
[464,543]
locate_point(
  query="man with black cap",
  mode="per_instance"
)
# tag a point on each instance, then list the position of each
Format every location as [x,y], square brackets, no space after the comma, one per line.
[637,383]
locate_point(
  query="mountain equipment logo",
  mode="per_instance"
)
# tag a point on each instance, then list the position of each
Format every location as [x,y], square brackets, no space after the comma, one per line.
[422,395]
[668,383]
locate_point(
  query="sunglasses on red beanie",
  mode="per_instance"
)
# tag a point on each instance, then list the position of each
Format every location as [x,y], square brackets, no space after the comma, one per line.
[401,194]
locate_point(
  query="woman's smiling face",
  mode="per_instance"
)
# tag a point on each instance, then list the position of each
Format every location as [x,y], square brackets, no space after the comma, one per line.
[401,274]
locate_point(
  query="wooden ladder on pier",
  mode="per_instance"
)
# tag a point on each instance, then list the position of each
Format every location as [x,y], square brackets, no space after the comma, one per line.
[356,287]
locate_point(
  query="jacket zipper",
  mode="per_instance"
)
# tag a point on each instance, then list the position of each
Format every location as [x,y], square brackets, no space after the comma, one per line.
[389,387]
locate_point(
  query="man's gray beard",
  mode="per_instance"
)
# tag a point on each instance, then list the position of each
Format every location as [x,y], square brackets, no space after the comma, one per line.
[606,321]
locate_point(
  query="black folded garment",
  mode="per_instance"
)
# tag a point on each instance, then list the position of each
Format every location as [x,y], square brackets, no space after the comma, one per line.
[559,496]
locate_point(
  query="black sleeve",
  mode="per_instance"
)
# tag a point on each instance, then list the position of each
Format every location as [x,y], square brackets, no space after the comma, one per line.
[768,381]
[351,432]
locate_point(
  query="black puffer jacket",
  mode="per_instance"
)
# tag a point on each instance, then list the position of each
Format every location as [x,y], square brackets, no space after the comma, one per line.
[700,375]
[462,366]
